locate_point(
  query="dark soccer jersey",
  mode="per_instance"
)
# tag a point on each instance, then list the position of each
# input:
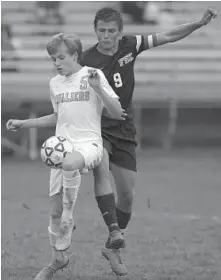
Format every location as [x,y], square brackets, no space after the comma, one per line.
[119,71]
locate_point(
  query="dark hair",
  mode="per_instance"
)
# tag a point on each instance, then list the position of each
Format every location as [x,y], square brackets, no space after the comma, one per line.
[72,42]
[109,14]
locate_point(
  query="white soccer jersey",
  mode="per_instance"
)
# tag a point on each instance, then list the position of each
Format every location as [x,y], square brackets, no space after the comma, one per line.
[78,106]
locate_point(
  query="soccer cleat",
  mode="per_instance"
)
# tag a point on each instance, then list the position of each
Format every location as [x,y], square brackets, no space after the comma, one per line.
[115,240]
[49,271]
[116,262]
[63,241]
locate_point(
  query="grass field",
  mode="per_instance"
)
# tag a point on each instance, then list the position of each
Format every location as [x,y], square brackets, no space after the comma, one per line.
[175,233]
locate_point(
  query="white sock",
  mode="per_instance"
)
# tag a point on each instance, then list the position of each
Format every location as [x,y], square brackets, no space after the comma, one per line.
[54,225]
[52,238]
[71,184]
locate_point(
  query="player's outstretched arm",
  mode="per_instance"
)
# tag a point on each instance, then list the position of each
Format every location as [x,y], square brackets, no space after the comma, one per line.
[183,30]
[109,98]
[15,125]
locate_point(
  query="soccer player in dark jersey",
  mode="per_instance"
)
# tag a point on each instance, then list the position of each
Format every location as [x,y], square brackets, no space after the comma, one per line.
[115,55]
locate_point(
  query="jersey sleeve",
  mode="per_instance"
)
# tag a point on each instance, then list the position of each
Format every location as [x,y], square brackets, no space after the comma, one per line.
[106,86]
[136,43]
[53,99]
[150,41]
[141,43]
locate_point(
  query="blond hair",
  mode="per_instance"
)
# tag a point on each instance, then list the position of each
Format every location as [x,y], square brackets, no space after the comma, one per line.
[72,42]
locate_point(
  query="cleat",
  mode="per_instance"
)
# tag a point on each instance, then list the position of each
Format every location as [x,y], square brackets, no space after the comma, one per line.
[49,271]
[115,240]
[116,263]
[63,241]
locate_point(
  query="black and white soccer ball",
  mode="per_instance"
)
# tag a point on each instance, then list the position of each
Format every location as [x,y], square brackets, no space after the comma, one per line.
[54,150]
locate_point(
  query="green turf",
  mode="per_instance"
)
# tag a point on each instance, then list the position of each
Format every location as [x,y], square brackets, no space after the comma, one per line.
[175,232]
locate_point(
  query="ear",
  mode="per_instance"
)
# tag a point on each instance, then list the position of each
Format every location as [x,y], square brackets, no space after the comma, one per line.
[95,29]
[75,56]
[120,34]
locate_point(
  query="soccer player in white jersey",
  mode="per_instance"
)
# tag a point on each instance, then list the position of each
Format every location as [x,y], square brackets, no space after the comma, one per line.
[78,95]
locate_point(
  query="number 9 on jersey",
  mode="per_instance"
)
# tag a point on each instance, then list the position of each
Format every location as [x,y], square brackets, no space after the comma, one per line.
[117,79]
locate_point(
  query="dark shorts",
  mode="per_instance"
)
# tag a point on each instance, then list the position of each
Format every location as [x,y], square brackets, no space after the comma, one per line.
[121,152]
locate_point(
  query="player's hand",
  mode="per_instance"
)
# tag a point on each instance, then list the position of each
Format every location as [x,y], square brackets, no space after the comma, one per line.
[121,118]
[123,115]
[208,16]
[94,78]
[14,125]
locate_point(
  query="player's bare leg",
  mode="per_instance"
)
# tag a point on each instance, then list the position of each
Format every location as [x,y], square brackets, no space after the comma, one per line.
[104,195]
[71,183]
[59,258]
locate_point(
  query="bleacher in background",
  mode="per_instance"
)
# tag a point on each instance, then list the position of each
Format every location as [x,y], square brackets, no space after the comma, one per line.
[168,78]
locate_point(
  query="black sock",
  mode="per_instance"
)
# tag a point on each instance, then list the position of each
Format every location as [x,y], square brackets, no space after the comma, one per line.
[106,204]
[122,218]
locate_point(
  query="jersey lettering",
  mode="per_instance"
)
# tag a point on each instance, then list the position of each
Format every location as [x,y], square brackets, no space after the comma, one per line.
[126,59]
[73,96]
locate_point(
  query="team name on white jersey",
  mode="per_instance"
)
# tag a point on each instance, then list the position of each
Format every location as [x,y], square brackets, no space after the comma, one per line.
[73,96]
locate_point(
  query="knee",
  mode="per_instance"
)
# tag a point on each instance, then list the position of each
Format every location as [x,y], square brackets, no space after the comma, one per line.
[73,161]
[68,163]
[67,166]
[100,174]
[127,196]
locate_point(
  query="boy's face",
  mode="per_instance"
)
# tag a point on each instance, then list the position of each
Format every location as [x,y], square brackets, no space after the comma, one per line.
[63,61]
[108,34]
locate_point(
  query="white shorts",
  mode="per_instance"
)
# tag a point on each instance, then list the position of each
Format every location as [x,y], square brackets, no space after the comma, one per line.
[92,152]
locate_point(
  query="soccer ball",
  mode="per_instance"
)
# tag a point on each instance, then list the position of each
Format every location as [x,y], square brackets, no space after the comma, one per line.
[54,150]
